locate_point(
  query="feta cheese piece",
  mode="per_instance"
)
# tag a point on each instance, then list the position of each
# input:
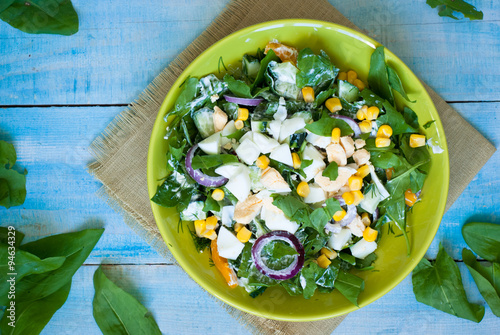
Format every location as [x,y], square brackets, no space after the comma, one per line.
[318,165]
[211,145]
[363,248]
[316,194]
[248,151]
[282,154]
[317,140]
[281,113]
[275,218]
[239,184]
[290,126]
[227,215]
[228,245]
[265,143]
[338,241]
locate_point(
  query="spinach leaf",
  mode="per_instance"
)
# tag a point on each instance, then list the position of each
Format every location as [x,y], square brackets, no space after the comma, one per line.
[385,160]
[348,258]
[350,286]
[312,241]
[12,183]
[410,117]
[428,124]
[176,191]
[117,312]
[323,96]
[439,285]
[314,69]
[414,156]
[211,205]
[210,161]
[25,264]
[396,83]
[394,119]
[371,98]
[278,255]
[41,17]
[331,171]
[366,263]
[447,7]
[293,208]
[270,56]
[487,279]
[309,273]
[238,87]
[7,154]
[11,237]
[484,239]
[246,261]
[326,124]
[327,277]
[378,79]
[33,316]
[74,246]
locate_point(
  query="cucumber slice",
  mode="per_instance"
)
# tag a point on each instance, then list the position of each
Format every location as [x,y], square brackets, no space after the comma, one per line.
[348,91]
[297,139]
[204,121]
[259,126]
[306,116]
[371,199]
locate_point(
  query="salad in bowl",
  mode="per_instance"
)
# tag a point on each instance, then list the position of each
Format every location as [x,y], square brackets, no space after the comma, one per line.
[287,168]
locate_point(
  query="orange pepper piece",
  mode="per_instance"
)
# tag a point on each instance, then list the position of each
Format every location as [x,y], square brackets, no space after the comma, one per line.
[223,266]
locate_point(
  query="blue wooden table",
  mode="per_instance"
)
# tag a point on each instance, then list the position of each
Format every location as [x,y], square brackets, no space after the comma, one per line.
[58,93]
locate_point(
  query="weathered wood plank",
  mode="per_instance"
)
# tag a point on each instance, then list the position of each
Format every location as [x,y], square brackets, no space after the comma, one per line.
[180,306]
[121,48]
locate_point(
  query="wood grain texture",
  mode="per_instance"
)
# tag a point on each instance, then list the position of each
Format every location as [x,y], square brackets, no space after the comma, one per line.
[122,46]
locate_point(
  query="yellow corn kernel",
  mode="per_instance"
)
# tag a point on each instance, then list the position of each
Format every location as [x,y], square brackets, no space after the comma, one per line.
[211,222]
[303,189]
[339,215]
[238,124]
[382,142]
[238,226]
[200,227]
[308,94]
[323,261]
[218,194]
[348,198]
[210,234]
[330,254]
[410,198]
[363,171]
[333,105]
[242,114]
[417,140]
[351,76]
[361,114]
[384,131]
[296,160]
[244,235]
[355,183]
[388,173]
[262,162]
[370,234]
[336,135]
[358,196]
[372,113]
[365,126]
[342,76]
[365,218]
[359,84]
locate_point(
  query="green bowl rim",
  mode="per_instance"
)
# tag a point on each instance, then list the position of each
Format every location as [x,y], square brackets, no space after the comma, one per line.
[418,254]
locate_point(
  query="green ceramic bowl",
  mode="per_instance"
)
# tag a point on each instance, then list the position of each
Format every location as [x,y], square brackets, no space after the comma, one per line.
[349,50]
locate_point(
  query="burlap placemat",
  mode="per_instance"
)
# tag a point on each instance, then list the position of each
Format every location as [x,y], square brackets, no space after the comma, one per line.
[121,151]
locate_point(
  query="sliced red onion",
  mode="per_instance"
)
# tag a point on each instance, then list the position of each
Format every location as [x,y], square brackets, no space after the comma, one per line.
[199,176]
[340,199]
[244,101]
[278,235]
[376,215]
[351,122]
[350,215]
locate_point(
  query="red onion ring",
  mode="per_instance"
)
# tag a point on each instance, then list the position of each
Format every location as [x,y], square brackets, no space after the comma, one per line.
[340,199]
[351,122]
[278,235]
[351,215]
[199,176]
[375,214]
[244,101]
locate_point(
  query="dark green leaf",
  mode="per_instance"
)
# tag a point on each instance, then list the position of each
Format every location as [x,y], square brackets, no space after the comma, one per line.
[366,263]
[16,186]
[11,236]
[331,171]
[394,119]
[396,83]
[117,312]
[175,191]
[348,258]
[414,156]
[270,56]
[428,124]
[326,124]
[350,286]
[323,96]
[211,205]
[487,279]
[332,206]
[410,117]
[41,17]
[484,239]
[371,98]
[385,160]
[439,285]
[329,275]
[31,317]
[378,79]
[210,161]
[293,208]
[447,7]
[314,69]
[7,154]
[237,87]
[74,246]
[319,218]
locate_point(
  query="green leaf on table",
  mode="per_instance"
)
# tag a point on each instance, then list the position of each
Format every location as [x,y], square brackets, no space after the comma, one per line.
[74,246]
[41,17]
[210,161]
[32,316]
[448,7]
[487,279]
[314,70]
[12,183]
[439,285]
[12,237]
[396,83]
[378,78]
[484,239]
[326,124]
[331,171]
[7,154]
[117,312]
[350,286]
[238,87]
